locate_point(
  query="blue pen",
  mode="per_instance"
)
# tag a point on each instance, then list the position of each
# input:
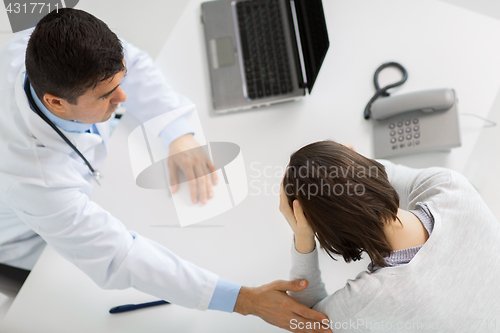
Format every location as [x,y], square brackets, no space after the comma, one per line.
[130,307]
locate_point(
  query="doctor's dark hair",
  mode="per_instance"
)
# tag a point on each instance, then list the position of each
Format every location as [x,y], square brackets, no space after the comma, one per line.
[71,51]
[351,203]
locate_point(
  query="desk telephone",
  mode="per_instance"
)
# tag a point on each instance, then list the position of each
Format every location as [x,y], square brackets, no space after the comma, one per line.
[415,122]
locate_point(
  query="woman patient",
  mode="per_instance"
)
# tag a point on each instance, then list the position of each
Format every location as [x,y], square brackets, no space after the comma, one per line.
[432,241]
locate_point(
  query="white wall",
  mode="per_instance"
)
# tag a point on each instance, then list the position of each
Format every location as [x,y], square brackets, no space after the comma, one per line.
[148,23]
[145,24]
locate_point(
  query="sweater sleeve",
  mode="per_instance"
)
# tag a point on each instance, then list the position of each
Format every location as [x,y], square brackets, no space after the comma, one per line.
[411,183]
[306,266]
[315,296]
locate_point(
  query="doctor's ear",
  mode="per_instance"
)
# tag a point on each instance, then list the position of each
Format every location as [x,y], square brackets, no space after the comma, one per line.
[55,104]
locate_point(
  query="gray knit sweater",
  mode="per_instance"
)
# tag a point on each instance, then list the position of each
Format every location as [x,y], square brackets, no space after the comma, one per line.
[450,285]
[401,257]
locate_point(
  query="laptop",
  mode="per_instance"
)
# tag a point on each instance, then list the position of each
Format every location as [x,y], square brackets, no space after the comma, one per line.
[262,52]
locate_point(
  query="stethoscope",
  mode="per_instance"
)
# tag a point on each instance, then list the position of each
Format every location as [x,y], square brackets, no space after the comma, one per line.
[97,175]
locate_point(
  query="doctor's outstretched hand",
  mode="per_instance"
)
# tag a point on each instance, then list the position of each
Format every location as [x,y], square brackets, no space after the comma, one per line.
[271,303]
[187,155]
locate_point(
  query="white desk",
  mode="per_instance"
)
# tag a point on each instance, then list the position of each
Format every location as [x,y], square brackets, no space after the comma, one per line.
[250,244]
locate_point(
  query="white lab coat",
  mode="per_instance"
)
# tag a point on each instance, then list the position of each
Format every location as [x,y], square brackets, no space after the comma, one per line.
[45,188]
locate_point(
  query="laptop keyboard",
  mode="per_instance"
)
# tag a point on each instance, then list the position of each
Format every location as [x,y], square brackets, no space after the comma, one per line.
[265,58]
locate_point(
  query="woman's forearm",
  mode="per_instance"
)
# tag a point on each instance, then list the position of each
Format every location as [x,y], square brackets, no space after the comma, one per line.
[306,266]
[304,244]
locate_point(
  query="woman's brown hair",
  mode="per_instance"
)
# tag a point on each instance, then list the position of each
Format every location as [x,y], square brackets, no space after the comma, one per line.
[346,197]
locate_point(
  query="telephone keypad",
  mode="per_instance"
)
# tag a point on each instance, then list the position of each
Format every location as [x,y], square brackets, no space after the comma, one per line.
[409,130]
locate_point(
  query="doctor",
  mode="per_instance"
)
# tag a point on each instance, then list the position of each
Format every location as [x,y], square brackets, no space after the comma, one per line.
[72,73]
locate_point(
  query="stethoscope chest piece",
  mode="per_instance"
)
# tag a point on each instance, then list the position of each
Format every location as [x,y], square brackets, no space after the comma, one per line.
[97,175]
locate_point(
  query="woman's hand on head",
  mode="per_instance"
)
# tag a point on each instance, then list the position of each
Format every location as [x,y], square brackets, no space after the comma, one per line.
[348,145]
[304,235]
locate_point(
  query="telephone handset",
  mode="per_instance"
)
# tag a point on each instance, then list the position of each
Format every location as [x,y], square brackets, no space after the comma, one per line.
[425,101]
[415,122]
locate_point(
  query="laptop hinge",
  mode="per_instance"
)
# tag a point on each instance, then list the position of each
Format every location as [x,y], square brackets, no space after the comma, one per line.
[302,73]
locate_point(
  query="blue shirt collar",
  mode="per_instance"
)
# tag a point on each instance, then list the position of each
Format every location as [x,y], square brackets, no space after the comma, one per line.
[66,125]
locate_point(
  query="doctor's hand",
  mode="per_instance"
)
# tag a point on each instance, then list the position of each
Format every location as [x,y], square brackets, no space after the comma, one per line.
[187,155]
[304,234]
[271,303]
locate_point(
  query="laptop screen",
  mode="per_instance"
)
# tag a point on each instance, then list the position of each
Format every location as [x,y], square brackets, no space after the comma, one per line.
[313,36]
